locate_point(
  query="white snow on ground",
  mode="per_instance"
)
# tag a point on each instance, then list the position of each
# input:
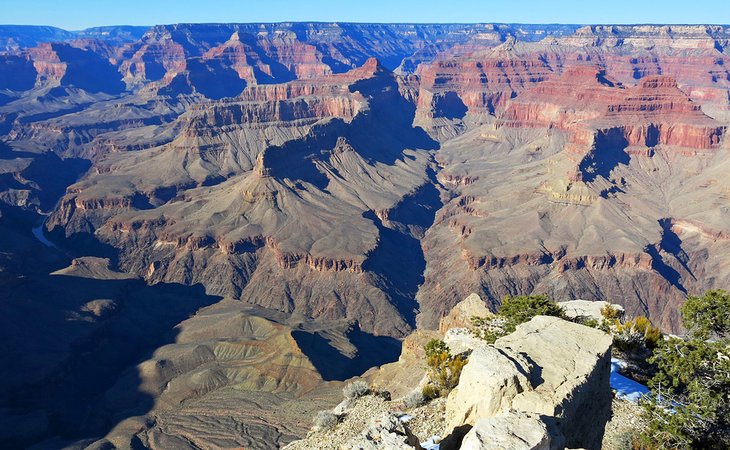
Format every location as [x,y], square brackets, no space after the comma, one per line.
[626,388]
[431,444]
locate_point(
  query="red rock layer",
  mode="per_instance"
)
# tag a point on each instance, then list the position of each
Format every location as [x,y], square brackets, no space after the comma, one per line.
[327,96]
[582,102]
[47,63]
[153,59]
[484,83]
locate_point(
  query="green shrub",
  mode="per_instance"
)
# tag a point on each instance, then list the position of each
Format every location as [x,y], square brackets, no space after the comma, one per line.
[652,334]
[708,315]
[605,326]
[414,399]
[382,393]
[490,336]
[435,347]
[522,308]
[437,353]
[610,313]
[628,440]
[512,312]
[689,406]
[479,322]
[637,333]
[446,375]
[488,329]
[444,369]
[430,392]
[586,321]
[628,340]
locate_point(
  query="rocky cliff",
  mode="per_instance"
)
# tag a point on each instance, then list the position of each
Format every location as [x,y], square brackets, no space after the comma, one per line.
[544,386]
[204,113]
[334,173]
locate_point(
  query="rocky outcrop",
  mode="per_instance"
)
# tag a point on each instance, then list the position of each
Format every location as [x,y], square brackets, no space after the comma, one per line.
[655,112]
[486,80]
[17,73]
[572,382]
[386,431]
[488,385]
[544,386]
[67,65]
[577,142]
[586,309]
[548,367]
[297,102]
[482,83]
[513,430]
[461,314]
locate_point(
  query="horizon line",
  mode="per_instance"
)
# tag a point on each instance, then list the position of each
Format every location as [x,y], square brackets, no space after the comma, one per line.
[345,22]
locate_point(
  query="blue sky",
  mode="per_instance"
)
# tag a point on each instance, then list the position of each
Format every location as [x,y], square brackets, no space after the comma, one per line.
[77,14]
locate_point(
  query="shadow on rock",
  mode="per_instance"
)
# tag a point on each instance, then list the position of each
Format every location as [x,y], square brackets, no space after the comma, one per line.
[335,361]
[67,340]
[379,134]
[453,440]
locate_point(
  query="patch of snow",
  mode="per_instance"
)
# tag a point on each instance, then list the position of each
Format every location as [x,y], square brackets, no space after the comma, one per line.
[431,444]
[626,388]
[405,418]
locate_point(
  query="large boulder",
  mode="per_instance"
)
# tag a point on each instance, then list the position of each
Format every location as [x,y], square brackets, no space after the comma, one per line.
[461,314]
[488,384]
[548,367]
[569,377]
[587,309]
[514,431]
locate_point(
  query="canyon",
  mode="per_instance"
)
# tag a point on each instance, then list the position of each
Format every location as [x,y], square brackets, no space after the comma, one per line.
[243,216]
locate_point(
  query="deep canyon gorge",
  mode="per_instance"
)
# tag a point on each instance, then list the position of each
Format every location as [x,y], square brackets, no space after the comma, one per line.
[203,227]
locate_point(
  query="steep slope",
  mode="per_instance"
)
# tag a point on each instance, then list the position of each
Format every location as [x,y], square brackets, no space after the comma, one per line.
[579,196]
[256,172]
[282,175]
[308,226]
[97,354]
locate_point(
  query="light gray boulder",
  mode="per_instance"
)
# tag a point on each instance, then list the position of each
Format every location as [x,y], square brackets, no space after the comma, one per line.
[488,384]
[587,309]
[548,368]
[569,378]
[514,430]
